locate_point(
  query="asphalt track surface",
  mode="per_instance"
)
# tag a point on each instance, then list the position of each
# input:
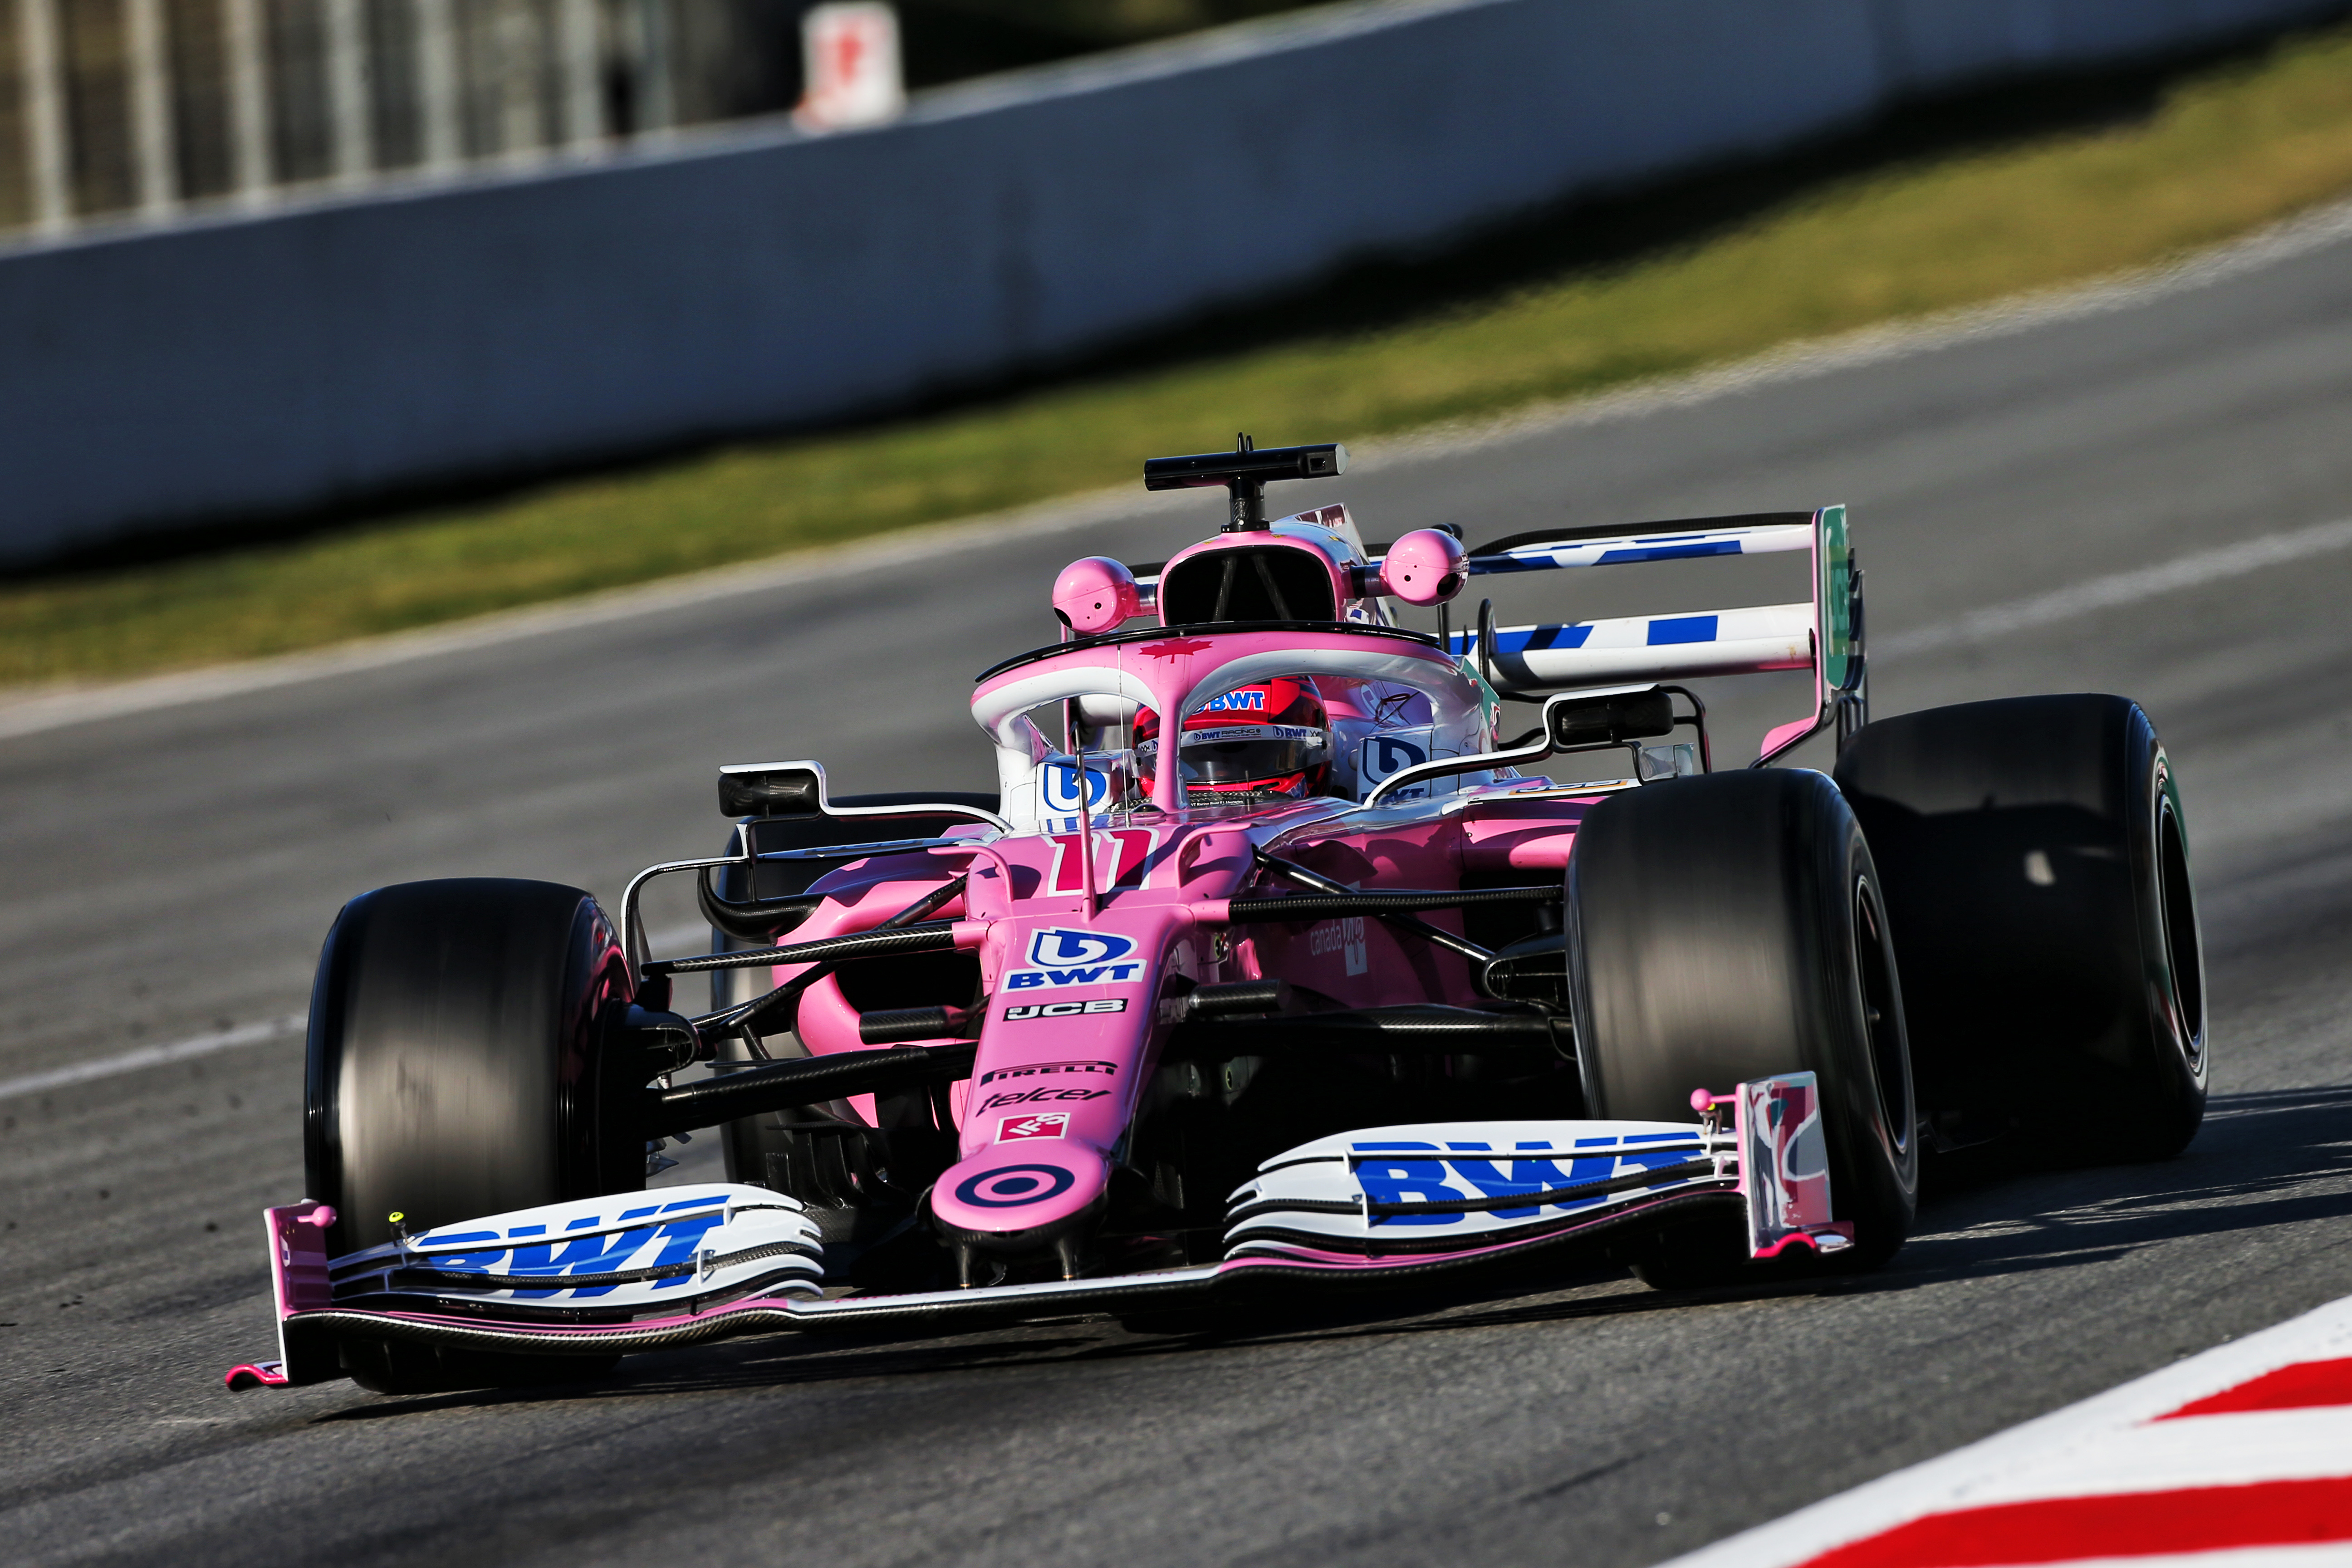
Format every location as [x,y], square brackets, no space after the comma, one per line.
[171,872]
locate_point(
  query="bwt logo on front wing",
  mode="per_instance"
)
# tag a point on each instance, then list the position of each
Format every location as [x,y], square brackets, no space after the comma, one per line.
[1077,958]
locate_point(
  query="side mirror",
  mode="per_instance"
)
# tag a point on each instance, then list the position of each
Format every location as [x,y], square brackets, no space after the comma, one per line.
[1096,594]
[1584,721]
[1424,567]
[771,789]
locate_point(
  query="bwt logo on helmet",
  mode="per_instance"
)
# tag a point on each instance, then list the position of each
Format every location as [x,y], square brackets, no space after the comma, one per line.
[1077,958]
[1251,700]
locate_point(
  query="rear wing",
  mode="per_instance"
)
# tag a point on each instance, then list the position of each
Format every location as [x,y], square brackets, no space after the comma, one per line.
[1824,635]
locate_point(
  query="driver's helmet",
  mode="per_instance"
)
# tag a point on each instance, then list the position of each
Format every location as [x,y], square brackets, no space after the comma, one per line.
[1268,741]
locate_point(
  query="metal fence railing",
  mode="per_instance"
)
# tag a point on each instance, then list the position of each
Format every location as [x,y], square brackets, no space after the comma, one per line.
[138,109]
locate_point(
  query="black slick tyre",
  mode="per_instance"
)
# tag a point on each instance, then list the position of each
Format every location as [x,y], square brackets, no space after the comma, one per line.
[1728,927]
[2036,865]
[457,1067]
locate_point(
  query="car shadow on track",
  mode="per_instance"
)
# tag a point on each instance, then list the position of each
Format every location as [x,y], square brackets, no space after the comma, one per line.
[2263,1160]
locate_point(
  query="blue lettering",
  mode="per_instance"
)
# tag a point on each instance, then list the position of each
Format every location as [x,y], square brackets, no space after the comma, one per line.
[1087,974]
[679,1238]
[1407,1181]
[1527,1176]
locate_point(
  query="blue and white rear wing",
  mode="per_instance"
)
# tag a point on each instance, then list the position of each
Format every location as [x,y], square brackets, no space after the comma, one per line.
[1824,635]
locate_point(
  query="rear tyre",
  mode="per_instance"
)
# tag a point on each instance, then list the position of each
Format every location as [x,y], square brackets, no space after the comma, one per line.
[1728,927]
[457,1067]
[2036,865]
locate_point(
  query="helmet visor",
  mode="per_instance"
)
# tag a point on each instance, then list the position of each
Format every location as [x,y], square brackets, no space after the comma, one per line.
[1240,754]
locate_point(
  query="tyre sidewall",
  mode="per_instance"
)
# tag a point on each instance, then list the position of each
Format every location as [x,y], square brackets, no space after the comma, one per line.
[2175,1078]
[456,1062]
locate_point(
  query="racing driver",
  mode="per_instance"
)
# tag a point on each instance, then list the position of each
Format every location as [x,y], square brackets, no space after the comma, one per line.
[1254,745]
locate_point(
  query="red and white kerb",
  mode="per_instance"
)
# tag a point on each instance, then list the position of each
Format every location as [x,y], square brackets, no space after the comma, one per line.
[2242,1455]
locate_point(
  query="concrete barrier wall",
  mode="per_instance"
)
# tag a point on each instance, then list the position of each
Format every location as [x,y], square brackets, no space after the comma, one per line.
[310,356]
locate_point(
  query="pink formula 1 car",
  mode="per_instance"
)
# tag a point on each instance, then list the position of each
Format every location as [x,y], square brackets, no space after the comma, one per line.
[1272,966]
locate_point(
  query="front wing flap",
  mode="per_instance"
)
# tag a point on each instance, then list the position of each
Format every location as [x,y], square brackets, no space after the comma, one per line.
[1401,1191]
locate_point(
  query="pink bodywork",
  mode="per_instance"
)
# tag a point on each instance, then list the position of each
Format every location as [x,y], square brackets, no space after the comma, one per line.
[1086,974]
[1096,594]
[298,1282]
[1424,567]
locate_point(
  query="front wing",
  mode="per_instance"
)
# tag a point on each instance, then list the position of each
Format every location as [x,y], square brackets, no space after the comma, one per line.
[678,1266]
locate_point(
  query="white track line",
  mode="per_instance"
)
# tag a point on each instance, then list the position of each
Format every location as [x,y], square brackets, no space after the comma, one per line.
[2215,565]
[28,710]
[2095,1449]
[152,1056]
[228,1039]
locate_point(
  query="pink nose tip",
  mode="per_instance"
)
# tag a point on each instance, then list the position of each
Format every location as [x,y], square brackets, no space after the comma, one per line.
[1424,567]
[1096,594]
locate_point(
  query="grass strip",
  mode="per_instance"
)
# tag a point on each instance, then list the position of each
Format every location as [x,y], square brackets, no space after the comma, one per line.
[2221,152]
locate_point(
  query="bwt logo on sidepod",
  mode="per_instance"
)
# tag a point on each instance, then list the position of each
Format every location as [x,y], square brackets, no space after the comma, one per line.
[1077,958]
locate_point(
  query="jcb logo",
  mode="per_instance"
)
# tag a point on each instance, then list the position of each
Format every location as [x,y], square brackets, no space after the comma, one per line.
[1065,1009]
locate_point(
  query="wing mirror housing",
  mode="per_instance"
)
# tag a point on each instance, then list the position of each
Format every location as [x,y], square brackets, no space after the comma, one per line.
[771,789]
[1424,567]
[1096,594]
[1588,720]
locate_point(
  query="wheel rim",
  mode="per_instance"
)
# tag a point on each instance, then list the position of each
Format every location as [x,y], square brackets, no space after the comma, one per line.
[1890,1067]
[2177,912]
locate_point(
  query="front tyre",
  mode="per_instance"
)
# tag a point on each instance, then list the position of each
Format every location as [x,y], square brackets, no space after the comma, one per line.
[457,1067]
[1729,928]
